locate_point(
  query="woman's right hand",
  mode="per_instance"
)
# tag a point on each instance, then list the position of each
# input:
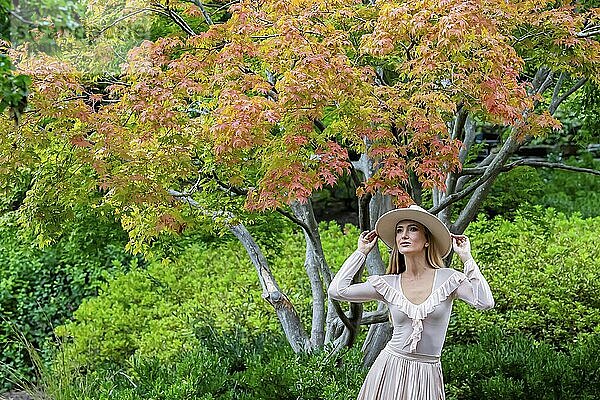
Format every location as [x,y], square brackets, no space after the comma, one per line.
[366,241]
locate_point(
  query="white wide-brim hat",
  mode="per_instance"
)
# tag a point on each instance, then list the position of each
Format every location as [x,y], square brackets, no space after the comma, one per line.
[386,227]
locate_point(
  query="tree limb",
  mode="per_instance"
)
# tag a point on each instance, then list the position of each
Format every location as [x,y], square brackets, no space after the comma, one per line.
[375,317]
[533,163]
[539,78]
[23,20]
[556,102]
[207,17]
[294,219]
[546,83]
[453,198]
[589,31]
[484,183]
[286,313]
[169,12]
[115,22]
[244,192]
[527,36]
[557,87]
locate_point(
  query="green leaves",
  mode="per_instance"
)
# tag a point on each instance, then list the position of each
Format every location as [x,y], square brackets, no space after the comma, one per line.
[14,89]
[269,100]
[542,268]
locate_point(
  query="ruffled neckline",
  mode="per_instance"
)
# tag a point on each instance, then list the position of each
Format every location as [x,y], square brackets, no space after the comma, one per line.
[417,312]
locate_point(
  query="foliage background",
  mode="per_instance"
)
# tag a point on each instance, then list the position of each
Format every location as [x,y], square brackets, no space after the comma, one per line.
[41,288]
[181,308]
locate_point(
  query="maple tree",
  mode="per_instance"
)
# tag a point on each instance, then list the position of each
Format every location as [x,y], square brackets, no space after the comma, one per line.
[252,106]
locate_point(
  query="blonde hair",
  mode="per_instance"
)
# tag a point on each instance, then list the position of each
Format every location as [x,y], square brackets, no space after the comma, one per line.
[397,265]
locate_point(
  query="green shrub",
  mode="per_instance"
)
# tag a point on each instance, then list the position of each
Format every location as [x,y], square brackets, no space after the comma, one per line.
[512,190]
[572,192]
[516,367]
[237,366]
[224,367]
[40,288]
[542,267]
[159,310]
[566,191]
[544,271]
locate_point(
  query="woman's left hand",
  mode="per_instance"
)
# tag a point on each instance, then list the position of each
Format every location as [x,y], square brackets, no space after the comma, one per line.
[461,246]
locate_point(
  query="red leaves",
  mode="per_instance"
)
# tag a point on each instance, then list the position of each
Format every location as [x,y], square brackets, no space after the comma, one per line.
[276,96]
[333,162]
[168,221]
[80,141]
[242,122]
[288,180]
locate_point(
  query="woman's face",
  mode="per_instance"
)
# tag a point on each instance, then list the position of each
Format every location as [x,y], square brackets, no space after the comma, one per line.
[410,237]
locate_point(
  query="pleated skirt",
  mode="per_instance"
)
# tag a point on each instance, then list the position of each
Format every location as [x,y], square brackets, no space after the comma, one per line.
[398,375]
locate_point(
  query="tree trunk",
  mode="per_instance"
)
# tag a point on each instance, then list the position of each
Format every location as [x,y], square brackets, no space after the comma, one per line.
[379,334]
[315,266]
[288,317]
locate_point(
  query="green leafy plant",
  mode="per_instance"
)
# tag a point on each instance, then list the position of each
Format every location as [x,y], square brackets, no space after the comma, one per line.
[544,270]
[229,366]
[510,367]
[239,366]
[14,88]
[40,288]
[157,310]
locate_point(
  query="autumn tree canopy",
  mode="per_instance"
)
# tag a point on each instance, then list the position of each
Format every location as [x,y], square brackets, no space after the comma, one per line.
[249,106]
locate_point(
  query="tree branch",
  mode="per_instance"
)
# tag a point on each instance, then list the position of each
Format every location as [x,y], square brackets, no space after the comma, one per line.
[527,36]
[557,87]
[23,20]
[453,198]
[589,31]
[375,317]
[115,22]
[533,163]
[539,76]
[295,220]
[484,183]
[207,17]
[244,192]
[546,83]
[165,10]
[288,317]
[555,103]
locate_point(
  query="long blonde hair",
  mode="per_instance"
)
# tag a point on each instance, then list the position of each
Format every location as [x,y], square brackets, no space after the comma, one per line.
[397,264]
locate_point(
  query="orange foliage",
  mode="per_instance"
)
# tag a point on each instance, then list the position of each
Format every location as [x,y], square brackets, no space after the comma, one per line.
[275,97]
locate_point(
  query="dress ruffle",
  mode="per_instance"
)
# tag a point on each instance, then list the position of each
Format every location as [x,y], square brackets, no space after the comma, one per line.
[417,312]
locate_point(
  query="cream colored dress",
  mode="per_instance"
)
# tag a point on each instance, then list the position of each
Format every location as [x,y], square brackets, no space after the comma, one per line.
[409,368]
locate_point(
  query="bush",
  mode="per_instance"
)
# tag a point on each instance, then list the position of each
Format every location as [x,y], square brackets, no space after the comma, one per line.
[544,271]
[159,310]
[573,192]
[517,367]
[237,366]
[512,191]
[224,367]
[542,267]
[40,288]
[566,191]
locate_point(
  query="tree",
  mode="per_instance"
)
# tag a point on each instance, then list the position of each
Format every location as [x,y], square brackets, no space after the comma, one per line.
[252,106]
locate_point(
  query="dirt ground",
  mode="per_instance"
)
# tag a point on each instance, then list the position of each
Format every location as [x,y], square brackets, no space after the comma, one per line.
[15,395]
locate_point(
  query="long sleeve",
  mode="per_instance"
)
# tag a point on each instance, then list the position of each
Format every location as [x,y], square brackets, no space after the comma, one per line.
[341,287]
[475,290]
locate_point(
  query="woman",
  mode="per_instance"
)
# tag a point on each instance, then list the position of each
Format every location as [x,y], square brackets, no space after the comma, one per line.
[419,293]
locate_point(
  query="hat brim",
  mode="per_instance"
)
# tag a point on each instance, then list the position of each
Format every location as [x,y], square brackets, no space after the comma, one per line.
[386,227]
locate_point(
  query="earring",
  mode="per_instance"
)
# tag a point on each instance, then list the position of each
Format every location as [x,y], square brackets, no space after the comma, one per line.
[426,244]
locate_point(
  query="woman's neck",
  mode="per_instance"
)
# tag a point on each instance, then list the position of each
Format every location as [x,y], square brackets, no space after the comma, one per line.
[416,265]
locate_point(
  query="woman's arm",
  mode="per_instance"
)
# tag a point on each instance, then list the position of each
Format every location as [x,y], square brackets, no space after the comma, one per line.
[475,290]
[341,287]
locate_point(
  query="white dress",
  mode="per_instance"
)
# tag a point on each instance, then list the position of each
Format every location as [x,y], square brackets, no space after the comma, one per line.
[409,367]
